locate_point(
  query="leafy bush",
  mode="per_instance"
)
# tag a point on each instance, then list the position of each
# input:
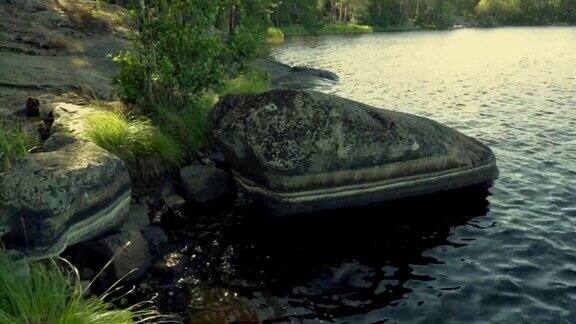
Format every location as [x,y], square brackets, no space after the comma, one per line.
[134,140]
[183,53]
[48,293]
[14,142]
[274,36]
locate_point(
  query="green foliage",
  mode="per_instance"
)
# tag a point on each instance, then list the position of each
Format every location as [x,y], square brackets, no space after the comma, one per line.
[304,13]
[184,51]
[405,14]
[249,82]
[190,126]
[338,28]
[133,140]
[274,36]
[14,142]
[48,293]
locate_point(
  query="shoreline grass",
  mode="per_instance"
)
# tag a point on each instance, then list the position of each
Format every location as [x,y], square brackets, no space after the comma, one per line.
[330,29]
[14,142]
[132,138]
[48,292]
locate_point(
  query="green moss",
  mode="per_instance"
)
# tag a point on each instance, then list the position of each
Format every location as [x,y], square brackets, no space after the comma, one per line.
[349,28]
[48,293]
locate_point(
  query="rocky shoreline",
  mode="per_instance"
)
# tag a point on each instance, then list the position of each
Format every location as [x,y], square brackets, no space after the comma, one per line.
[297,151]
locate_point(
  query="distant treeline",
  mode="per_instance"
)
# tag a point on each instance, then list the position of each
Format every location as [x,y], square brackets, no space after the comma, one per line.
[423,13]
[313,14]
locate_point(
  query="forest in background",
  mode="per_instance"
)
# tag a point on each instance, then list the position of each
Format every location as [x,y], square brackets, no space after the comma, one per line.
[427,14]
[423,13]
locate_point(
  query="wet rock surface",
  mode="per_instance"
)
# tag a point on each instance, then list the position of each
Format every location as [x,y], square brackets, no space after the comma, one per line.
[302,151]
[284,76]
[204,183]
[128,251]
[137,218]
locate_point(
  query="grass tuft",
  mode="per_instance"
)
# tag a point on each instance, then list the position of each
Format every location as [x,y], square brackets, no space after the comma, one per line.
[190,125]
[45,292]
[14,142]
[134,141]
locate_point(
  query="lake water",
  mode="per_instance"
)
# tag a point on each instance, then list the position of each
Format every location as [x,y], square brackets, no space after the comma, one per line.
[510,260]
[507,255]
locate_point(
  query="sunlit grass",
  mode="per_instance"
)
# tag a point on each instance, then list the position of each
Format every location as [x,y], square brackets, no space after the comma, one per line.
[132,139]
[340,28]
[47,292]
[14,142]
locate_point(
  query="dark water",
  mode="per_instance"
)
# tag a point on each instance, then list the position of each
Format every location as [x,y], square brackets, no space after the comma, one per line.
[507,255]
[512,260]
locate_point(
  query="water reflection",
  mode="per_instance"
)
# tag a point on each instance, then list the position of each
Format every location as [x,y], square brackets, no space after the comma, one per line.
[346,262]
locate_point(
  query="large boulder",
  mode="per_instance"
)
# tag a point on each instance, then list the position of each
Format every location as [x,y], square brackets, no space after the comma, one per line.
[302,151]
[71,191]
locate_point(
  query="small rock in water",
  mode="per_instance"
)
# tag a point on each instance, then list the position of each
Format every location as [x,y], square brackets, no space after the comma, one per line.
[137,219]
[175,201]
[128,251]
[205,183]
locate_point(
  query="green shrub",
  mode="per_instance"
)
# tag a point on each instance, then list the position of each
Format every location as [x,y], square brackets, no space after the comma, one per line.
[134,140]
[14,142]
[48,293]
[190,127]
[184,50]
[274,36]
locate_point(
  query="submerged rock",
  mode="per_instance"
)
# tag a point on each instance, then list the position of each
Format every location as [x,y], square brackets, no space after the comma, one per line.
[128,252]
[303,151]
